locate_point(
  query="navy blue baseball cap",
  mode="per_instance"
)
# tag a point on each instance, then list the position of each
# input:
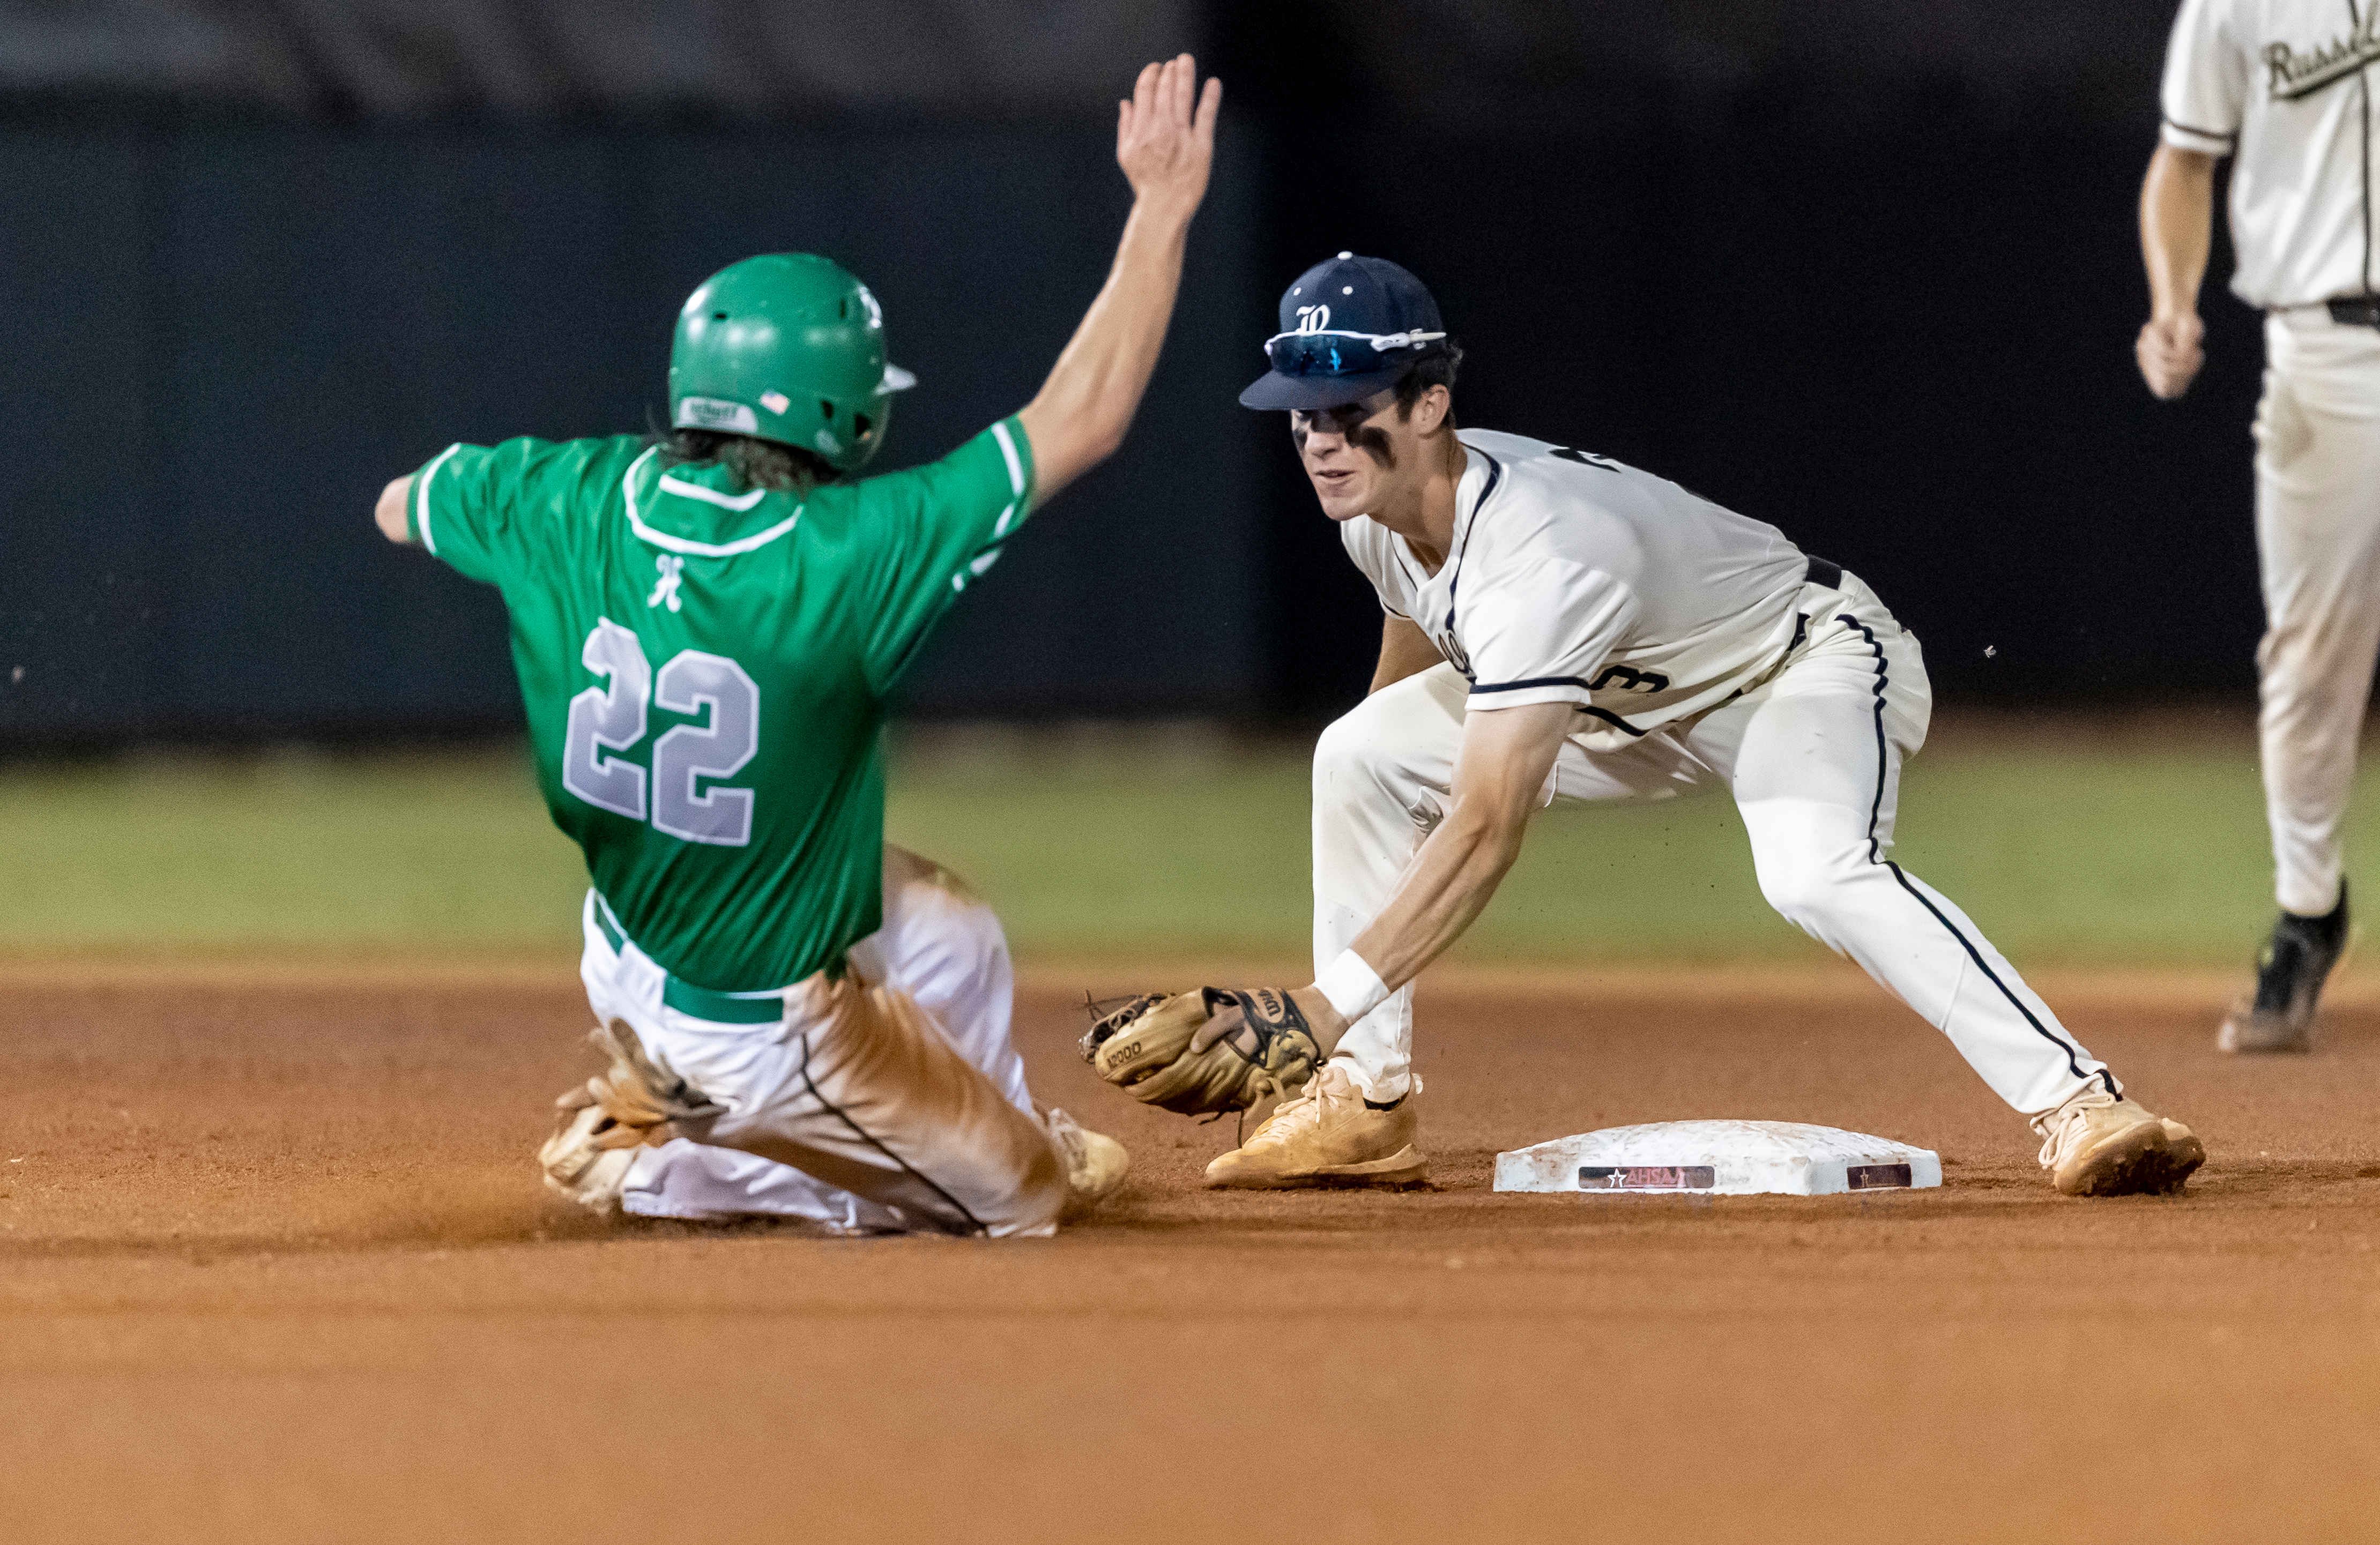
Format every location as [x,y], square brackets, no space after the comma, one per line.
[1349,328]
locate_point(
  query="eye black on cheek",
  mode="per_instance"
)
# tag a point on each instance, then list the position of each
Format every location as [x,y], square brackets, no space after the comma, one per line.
[1373,442]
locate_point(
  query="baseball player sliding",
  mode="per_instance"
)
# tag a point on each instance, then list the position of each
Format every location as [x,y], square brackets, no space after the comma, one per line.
[801,1021]
[1561,626]
[2287,85]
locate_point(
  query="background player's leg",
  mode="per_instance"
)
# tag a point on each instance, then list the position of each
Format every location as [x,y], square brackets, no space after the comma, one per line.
[2318,545]
[1814,759]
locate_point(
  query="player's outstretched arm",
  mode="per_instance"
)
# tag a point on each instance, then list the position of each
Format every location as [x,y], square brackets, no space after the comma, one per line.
[2177,225]
[1499,775]
[389,513]
[1165,142]
[1219,1049]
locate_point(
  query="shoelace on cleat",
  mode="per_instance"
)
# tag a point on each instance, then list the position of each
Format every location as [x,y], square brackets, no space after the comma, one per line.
[2062,1128]
[1301,1109]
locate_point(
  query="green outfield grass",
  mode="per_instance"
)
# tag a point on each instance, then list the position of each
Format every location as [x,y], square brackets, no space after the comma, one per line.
[1136,845]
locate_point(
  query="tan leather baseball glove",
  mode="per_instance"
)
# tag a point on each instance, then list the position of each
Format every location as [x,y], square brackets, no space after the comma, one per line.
[1261,1049]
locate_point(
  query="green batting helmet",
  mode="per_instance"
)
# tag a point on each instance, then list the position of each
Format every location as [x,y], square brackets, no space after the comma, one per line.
[787,346]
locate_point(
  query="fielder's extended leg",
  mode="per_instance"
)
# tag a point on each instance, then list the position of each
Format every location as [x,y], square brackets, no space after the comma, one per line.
[1814,759]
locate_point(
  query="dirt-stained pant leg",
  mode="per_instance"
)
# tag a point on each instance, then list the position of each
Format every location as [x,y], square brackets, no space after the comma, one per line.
[943,946]
[2318,549]
[892,1101]
[1813,756]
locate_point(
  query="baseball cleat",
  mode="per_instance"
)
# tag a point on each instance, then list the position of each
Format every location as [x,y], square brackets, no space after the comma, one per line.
[2298,957]
[2102,1144]
[1096,1163]
[1328,1134]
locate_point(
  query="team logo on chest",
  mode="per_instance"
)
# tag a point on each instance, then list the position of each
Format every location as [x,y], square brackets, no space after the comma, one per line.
[666,592]
[1451,647]
[2290,75]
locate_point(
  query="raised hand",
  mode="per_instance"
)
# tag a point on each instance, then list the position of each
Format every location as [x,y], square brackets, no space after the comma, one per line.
[1165,134]
[1165,142]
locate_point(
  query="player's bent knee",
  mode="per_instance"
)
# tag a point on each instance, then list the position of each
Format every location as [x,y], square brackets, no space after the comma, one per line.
[1363,749]
[1810,877]
[919,891]
[977,935]
[1797,894]
[1343,751]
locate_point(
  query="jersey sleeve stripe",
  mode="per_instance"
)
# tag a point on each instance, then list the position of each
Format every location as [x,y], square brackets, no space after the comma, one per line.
[421,499]
[1532,682]
[1587,708]
[2207,142]
[1016,463]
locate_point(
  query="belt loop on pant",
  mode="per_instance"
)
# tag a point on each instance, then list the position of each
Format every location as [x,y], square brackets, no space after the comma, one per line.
[701,1003]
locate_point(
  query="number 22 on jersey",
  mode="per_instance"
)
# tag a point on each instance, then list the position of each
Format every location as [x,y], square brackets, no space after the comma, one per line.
[611,719]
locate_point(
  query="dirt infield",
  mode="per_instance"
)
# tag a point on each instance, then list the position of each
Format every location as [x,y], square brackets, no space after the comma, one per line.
[277,1269]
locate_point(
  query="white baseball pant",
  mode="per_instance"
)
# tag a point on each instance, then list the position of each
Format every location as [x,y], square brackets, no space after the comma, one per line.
[1813,756]
[888,1100]
[2318,546]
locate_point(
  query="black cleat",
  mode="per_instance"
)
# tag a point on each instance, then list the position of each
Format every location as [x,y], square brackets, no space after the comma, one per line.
[2290,970]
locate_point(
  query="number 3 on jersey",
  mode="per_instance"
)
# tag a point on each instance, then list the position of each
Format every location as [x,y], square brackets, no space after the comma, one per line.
[611,718]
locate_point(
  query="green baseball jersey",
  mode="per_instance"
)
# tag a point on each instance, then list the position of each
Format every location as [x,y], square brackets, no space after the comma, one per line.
[706,667]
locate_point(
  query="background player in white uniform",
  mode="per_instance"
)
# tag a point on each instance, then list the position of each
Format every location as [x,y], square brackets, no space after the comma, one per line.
[1561,626]
[2285,87]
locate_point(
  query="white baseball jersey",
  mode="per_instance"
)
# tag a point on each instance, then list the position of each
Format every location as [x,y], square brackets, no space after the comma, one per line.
[1574,579]
[2284,86]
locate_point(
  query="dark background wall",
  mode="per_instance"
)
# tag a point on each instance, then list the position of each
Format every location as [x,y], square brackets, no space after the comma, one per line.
[1865,270]
[224,339]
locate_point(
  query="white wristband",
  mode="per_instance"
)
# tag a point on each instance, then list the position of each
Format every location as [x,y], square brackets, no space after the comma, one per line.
[1351,985]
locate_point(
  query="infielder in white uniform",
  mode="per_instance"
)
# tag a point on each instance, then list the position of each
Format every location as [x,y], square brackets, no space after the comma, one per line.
[2285,87]
[1560,626]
